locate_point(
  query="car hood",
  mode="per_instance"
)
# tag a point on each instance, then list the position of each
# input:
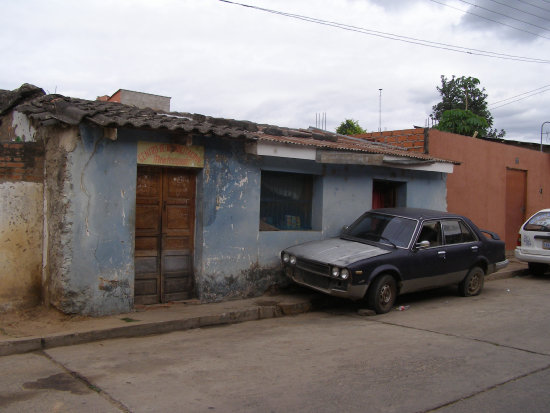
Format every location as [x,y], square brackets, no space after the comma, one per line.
[336,251]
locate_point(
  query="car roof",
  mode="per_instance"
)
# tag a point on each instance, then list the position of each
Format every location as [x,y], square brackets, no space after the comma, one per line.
[416,213]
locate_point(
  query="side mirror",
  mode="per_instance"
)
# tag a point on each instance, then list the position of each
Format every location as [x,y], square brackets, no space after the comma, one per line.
[422,245]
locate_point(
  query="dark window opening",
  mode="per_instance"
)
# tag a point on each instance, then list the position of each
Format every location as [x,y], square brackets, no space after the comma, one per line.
[285,201]
[387,194]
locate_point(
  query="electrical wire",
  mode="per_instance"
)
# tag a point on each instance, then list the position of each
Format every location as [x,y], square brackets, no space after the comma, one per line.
[504,15]
[522,11]
[491,20]
[521,96]
[391,36]
[534,5]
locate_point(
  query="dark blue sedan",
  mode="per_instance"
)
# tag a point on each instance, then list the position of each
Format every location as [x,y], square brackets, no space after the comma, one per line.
[393,251]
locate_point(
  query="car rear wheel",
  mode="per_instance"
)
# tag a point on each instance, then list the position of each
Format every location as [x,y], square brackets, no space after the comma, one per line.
[473,283]
[382,294]
[537,268]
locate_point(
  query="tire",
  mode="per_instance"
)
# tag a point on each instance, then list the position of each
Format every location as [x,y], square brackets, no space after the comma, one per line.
[537,268]
[472,283]
[382,294]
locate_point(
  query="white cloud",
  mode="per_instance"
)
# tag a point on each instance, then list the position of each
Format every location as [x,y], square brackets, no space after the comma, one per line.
[226,60]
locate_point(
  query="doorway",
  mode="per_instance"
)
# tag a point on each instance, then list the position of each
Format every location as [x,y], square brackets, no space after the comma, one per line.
[387,194]
[165,224]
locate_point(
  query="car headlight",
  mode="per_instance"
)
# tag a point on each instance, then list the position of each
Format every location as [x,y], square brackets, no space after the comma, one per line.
[335,271]
[286,258]
[292,260]
[344,274]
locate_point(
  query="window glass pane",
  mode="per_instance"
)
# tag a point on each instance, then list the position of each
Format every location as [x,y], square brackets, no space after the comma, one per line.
[452,231]
[431,231]
[285,201]
[457,232]
[467,234]
[382,228]
[540,222]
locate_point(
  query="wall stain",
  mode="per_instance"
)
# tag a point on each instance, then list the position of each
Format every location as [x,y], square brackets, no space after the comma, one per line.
[251,282]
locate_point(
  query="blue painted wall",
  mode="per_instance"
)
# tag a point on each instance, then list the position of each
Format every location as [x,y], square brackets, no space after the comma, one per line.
[100,243]
[233,258]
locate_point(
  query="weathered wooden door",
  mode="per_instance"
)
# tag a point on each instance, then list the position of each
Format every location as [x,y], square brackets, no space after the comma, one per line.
[165,217]
[516,199]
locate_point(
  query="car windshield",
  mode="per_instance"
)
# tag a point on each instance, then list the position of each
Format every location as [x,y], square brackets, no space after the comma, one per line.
[539,222]
[382,228]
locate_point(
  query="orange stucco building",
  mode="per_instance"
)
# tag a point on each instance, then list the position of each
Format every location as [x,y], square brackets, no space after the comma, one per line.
[498,185]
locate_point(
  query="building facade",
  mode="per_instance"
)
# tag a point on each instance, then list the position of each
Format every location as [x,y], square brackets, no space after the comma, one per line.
[497,185]
[139,207]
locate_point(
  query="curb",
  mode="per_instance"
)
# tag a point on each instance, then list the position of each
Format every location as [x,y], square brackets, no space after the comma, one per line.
[25,345]
[260,312]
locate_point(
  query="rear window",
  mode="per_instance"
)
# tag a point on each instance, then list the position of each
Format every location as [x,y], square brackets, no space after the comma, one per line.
[538,222]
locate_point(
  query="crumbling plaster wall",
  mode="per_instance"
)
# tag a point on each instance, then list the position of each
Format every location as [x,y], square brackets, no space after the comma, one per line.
[233,258]
[20,244]
[21,205]
[90,186]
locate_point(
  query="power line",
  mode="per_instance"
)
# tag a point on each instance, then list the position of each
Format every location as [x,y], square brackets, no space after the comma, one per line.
[391,36]
[521,11]
[520,97]
[504,15]
[521,94]
[534,5]
[491,20]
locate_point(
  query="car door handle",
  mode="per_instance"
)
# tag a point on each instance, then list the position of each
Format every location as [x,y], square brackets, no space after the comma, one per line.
[441,254]
[475,248]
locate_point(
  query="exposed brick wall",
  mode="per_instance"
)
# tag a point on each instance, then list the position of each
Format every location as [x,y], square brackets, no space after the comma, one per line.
[21,161]
[410,139]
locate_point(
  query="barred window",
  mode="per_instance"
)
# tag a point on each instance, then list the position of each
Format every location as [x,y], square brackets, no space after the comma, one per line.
[285,201]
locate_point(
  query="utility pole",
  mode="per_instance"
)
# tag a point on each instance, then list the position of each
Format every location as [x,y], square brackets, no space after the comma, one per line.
[541,128]
[380,112]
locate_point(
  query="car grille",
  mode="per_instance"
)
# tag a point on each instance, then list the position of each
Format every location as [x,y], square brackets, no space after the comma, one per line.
[315,280]
[312,266]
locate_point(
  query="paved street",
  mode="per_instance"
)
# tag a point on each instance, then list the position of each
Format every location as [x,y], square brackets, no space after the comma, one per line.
[444,353]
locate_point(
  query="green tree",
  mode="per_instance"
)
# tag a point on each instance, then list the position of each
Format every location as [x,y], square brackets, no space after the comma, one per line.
[464,94]
[463,122]
[350,127]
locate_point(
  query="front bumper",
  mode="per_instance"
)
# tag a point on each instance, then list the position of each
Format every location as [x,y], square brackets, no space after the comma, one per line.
[326,285]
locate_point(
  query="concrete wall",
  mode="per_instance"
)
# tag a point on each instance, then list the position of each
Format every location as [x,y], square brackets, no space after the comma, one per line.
[477,187]
[141,100]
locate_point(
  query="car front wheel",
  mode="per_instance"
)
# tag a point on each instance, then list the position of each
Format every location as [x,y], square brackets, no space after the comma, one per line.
[382,294]
[473,283]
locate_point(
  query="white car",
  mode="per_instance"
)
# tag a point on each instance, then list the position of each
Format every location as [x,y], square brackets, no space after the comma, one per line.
[534,242]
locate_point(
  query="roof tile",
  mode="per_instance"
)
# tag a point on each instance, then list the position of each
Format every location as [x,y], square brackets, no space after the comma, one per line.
[47,109]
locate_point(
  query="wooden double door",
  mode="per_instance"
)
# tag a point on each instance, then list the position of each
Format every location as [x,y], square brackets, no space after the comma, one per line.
[165,218]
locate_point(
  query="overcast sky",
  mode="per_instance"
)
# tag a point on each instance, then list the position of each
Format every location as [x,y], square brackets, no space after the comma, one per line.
[227,60]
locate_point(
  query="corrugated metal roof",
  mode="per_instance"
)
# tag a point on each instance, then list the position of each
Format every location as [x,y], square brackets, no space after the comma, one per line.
[54,109]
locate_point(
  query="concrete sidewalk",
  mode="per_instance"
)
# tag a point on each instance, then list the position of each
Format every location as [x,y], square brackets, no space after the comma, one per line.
[42,328]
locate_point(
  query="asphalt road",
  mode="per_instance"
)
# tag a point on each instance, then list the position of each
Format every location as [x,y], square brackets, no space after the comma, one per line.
[445,353]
